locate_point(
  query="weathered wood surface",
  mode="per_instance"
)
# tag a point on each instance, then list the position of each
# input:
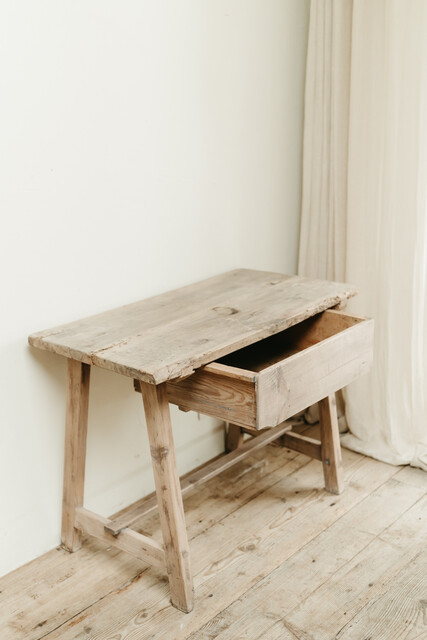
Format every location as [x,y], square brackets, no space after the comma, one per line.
[400,612]
[202,474]
[76,581]
[303,444]
[302,569]
[268,382]
[217,390]
[312,373]
[169,498]
[234,437]
[78,377]
[172,334]
[272,534]
[334,576]
[138,545]
[331,447]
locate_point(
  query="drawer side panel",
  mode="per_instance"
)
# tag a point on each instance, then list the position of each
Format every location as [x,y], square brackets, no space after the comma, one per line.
[227,398]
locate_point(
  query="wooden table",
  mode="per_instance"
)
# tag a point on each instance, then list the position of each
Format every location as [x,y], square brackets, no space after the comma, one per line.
[250,347]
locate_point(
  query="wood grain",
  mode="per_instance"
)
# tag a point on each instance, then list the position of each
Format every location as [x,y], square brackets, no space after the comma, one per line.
[295,383]
[303,444]
[202,474]
[274,531]
[371,582]
[138,545]
[266,383]
[41,596]
[401,610]
[169,498]
[301,559]
[171,335]
[334,575]
[331,447]
[234,438]
[78,376]
[216,390]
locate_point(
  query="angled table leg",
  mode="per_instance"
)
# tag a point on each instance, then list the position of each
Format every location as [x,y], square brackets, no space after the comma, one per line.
[168,490]
[331,447]
[78,375]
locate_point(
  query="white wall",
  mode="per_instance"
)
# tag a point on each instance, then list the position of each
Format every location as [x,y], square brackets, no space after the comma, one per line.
[144,145]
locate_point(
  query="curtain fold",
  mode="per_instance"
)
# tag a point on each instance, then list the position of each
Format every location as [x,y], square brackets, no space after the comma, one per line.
[364,206]
[326,127]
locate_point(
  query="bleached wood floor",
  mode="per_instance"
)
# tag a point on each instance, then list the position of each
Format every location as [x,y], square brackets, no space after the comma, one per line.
[275,557]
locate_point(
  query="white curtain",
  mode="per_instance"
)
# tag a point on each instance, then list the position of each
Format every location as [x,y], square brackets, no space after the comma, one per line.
[364,213]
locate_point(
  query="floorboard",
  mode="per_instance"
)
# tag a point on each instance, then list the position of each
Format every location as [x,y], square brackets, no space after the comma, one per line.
[274,556]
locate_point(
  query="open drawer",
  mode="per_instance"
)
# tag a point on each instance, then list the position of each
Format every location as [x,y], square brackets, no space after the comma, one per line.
[267,382]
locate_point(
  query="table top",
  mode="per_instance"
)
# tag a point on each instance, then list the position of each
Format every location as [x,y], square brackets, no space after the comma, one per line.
[172,334]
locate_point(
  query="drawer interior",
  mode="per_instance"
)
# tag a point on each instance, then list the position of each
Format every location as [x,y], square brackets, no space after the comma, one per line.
[263,384]
[276,348]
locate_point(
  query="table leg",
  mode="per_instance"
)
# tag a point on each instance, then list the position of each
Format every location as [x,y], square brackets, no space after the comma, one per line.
[78,375]
[234,438]
[168,490]
[331,448]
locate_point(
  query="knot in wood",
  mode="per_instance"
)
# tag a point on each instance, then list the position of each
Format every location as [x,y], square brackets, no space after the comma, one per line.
[158,453]
[225,311]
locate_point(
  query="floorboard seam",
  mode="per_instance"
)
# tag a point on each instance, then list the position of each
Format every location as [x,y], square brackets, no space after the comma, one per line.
[407,557]
[375,537]
[139,574]
[123,586]
[309,542]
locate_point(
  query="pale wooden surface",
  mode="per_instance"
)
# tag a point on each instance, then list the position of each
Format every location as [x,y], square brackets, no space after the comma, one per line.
[266,383]
[310,374]
[303,444]
[78,377]
[169,498]
[331,447]
[215,390]
[202,474]
[273,559]
[132,542]
[170,335]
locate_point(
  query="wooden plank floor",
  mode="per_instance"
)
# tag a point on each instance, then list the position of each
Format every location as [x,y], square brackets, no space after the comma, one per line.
[274,557]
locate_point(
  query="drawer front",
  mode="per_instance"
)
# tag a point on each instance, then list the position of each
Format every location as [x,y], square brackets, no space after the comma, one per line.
[327,352]
[306,377]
